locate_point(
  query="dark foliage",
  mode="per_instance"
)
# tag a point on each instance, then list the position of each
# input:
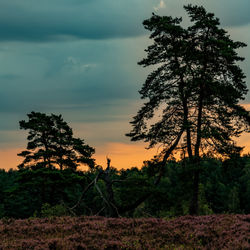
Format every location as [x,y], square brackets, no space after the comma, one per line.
[224,188]
[51,144]
[192,95]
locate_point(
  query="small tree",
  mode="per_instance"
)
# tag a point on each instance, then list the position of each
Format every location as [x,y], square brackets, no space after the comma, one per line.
[193,93]
[51,144]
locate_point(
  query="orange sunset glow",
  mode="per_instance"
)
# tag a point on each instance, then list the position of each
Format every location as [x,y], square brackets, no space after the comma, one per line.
[122,155]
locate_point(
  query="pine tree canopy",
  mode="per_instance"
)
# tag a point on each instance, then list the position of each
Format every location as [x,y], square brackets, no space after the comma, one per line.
[192,94]
[51,144]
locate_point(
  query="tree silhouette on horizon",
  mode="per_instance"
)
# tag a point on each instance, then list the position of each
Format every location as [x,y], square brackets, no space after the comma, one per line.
[193,93]
[51,144]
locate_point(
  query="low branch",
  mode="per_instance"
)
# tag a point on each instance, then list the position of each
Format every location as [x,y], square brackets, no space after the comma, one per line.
[110,204]
[85,191]
[99,211]
[167,154]
[157,181]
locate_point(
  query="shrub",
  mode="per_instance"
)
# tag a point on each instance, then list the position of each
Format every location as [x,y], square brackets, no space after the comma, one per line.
[51,211]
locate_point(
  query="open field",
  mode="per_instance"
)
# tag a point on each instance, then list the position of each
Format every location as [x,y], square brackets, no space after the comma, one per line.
[186,232]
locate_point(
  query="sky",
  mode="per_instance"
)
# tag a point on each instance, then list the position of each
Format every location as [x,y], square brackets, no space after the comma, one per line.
[79,58]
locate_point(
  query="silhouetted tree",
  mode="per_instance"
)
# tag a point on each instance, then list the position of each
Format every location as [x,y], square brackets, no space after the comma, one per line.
[193,92]
[51,144]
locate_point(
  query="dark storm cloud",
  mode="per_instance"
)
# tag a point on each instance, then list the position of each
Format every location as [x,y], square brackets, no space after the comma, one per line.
[54,20]
[28,20]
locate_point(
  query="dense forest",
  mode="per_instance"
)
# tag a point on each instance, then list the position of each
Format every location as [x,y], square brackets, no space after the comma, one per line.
[224,188]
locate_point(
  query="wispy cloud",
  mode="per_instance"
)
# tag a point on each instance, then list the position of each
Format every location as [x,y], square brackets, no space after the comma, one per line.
[161,5]
[73,65]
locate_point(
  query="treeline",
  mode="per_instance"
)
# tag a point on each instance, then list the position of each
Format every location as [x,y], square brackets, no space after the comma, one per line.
[224,188]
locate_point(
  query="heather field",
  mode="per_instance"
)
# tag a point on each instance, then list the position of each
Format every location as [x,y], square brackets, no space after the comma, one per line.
[187,232]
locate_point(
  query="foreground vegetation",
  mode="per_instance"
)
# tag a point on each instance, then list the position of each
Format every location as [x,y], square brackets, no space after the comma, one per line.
[188,232]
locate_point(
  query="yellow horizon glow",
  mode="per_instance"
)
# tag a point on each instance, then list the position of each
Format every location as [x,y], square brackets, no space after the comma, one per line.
[122,155]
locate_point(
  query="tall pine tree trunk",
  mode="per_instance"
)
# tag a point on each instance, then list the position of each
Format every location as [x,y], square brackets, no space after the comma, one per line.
[194,205]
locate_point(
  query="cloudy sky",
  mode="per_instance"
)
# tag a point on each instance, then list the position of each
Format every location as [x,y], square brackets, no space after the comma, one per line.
[79,58]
